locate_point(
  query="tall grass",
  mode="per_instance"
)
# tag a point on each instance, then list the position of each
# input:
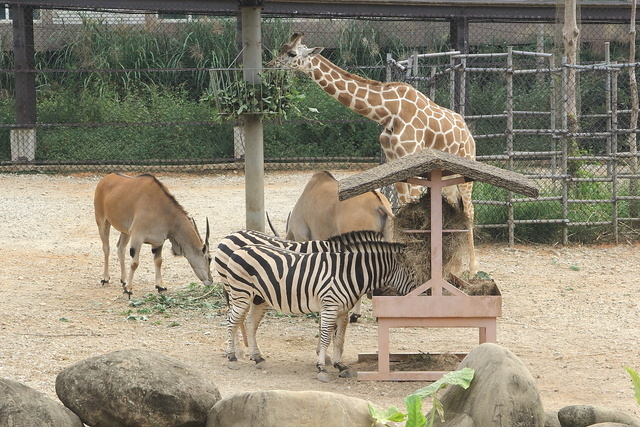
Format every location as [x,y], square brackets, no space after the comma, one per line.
[125,58]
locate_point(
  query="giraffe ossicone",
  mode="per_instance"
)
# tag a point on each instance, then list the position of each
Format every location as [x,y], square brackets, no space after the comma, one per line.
[410,120]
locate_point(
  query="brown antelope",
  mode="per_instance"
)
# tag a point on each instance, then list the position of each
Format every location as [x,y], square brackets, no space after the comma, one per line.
[143,211]
[319,214]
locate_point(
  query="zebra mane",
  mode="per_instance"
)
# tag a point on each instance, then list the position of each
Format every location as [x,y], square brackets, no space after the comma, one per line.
[357,237]
[366,240]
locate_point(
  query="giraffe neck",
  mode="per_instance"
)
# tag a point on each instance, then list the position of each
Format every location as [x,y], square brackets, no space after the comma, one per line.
[361,95]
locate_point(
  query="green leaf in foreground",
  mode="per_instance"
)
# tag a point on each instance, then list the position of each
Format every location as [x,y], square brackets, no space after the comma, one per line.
[460,378]
[413,402]
[415,418]
[392,414]
[635,380]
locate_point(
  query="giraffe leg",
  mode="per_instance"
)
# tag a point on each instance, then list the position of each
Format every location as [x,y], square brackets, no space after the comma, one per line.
[465,193]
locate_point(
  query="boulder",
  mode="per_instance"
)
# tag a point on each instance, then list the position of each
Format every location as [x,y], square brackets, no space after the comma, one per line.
[551,419]
[587,415]
[21,405]
[609,425]
[289,409]
[136,388]
[502,392]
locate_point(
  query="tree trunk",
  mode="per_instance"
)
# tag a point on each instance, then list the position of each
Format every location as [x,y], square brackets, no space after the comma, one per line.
[570,37]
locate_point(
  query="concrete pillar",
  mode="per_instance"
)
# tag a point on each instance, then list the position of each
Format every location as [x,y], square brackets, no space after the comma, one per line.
[253,131]
[23,145]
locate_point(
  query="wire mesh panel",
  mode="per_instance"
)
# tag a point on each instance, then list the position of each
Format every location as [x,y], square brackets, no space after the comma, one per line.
[153,90]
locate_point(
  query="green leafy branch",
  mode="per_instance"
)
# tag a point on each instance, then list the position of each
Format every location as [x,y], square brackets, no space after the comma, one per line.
[414,416]
[230,95]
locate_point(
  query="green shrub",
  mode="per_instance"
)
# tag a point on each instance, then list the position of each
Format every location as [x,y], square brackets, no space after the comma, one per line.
[135,143]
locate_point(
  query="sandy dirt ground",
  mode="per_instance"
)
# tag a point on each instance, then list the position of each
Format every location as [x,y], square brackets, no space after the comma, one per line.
[571,314]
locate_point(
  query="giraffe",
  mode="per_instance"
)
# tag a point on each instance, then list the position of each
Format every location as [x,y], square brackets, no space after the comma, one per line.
[410,120]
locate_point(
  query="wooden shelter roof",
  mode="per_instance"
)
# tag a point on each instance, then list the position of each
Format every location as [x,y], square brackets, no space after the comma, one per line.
[420,164]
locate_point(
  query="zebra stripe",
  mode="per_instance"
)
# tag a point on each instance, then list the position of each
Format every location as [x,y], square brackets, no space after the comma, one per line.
[241,238]
[293,282]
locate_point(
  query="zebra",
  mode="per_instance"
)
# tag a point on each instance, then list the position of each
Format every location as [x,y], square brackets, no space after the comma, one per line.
[263,276]
[242,238]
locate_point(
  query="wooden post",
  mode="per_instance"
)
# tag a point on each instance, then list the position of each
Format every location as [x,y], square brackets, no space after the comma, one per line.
[23,51]
[23,139]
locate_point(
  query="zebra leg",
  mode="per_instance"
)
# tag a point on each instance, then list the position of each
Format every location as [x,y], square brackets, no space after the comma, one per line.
[256,313]
[338,346]
[236,315]
[355,312]
[328,317]
[327,358]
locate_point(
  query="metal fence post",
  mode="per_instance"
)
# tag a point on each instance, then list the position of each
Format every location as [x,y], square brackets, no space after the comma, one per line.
[509,132]
[614,150]
[565,153]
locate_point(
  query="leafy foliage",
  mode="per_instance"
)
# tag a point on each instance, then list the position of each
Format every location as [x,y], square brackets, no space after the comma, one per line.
[197,297]
[413,402]
[231,96]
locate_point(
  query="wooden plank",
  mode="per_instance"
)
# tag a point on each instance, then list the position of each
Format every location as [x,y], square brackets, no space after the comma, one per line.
[402,357]
[420,164]
[432,307]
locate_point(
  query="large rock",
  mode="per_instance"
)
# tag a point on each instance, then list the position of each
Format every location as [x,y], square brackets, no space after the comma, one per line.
[502,393]
[289,409]
[23,406]
[587,415]
[136,388]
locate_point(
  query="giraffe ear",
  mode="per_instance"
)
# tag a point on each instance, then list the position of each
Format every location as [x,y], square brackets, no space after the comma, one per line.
[316,51]
[296,37]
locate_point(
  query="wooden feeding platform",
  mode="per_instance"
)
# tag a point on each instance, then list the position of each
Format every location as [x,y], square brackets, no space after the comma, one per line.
[436,303]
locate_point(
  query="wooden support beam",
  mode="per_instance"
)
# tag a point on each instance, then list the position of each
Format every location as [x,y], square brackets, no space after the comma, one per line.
[24,63]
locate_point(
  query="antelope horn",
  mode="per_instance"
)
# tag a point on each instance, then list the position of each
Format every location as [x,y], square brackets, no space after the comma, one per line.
[206,239]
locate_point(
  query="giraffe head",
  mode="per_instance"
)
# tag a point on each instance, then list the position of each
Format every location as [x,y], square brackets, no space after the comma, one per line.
[295,55]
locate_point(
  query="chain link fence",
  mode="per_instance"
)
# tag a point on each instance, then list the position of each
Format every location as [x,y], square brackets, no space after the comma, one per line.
[143,91]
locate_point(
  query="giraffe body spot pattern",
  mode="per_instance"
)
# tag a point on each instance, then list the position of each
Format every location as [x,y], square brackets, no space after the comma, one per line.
[410,120]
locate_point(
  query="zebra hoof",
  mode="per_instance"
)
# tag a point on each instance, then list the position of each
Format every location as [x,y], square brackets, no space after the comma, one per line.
[323,376]
[354,318]
[345,374]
